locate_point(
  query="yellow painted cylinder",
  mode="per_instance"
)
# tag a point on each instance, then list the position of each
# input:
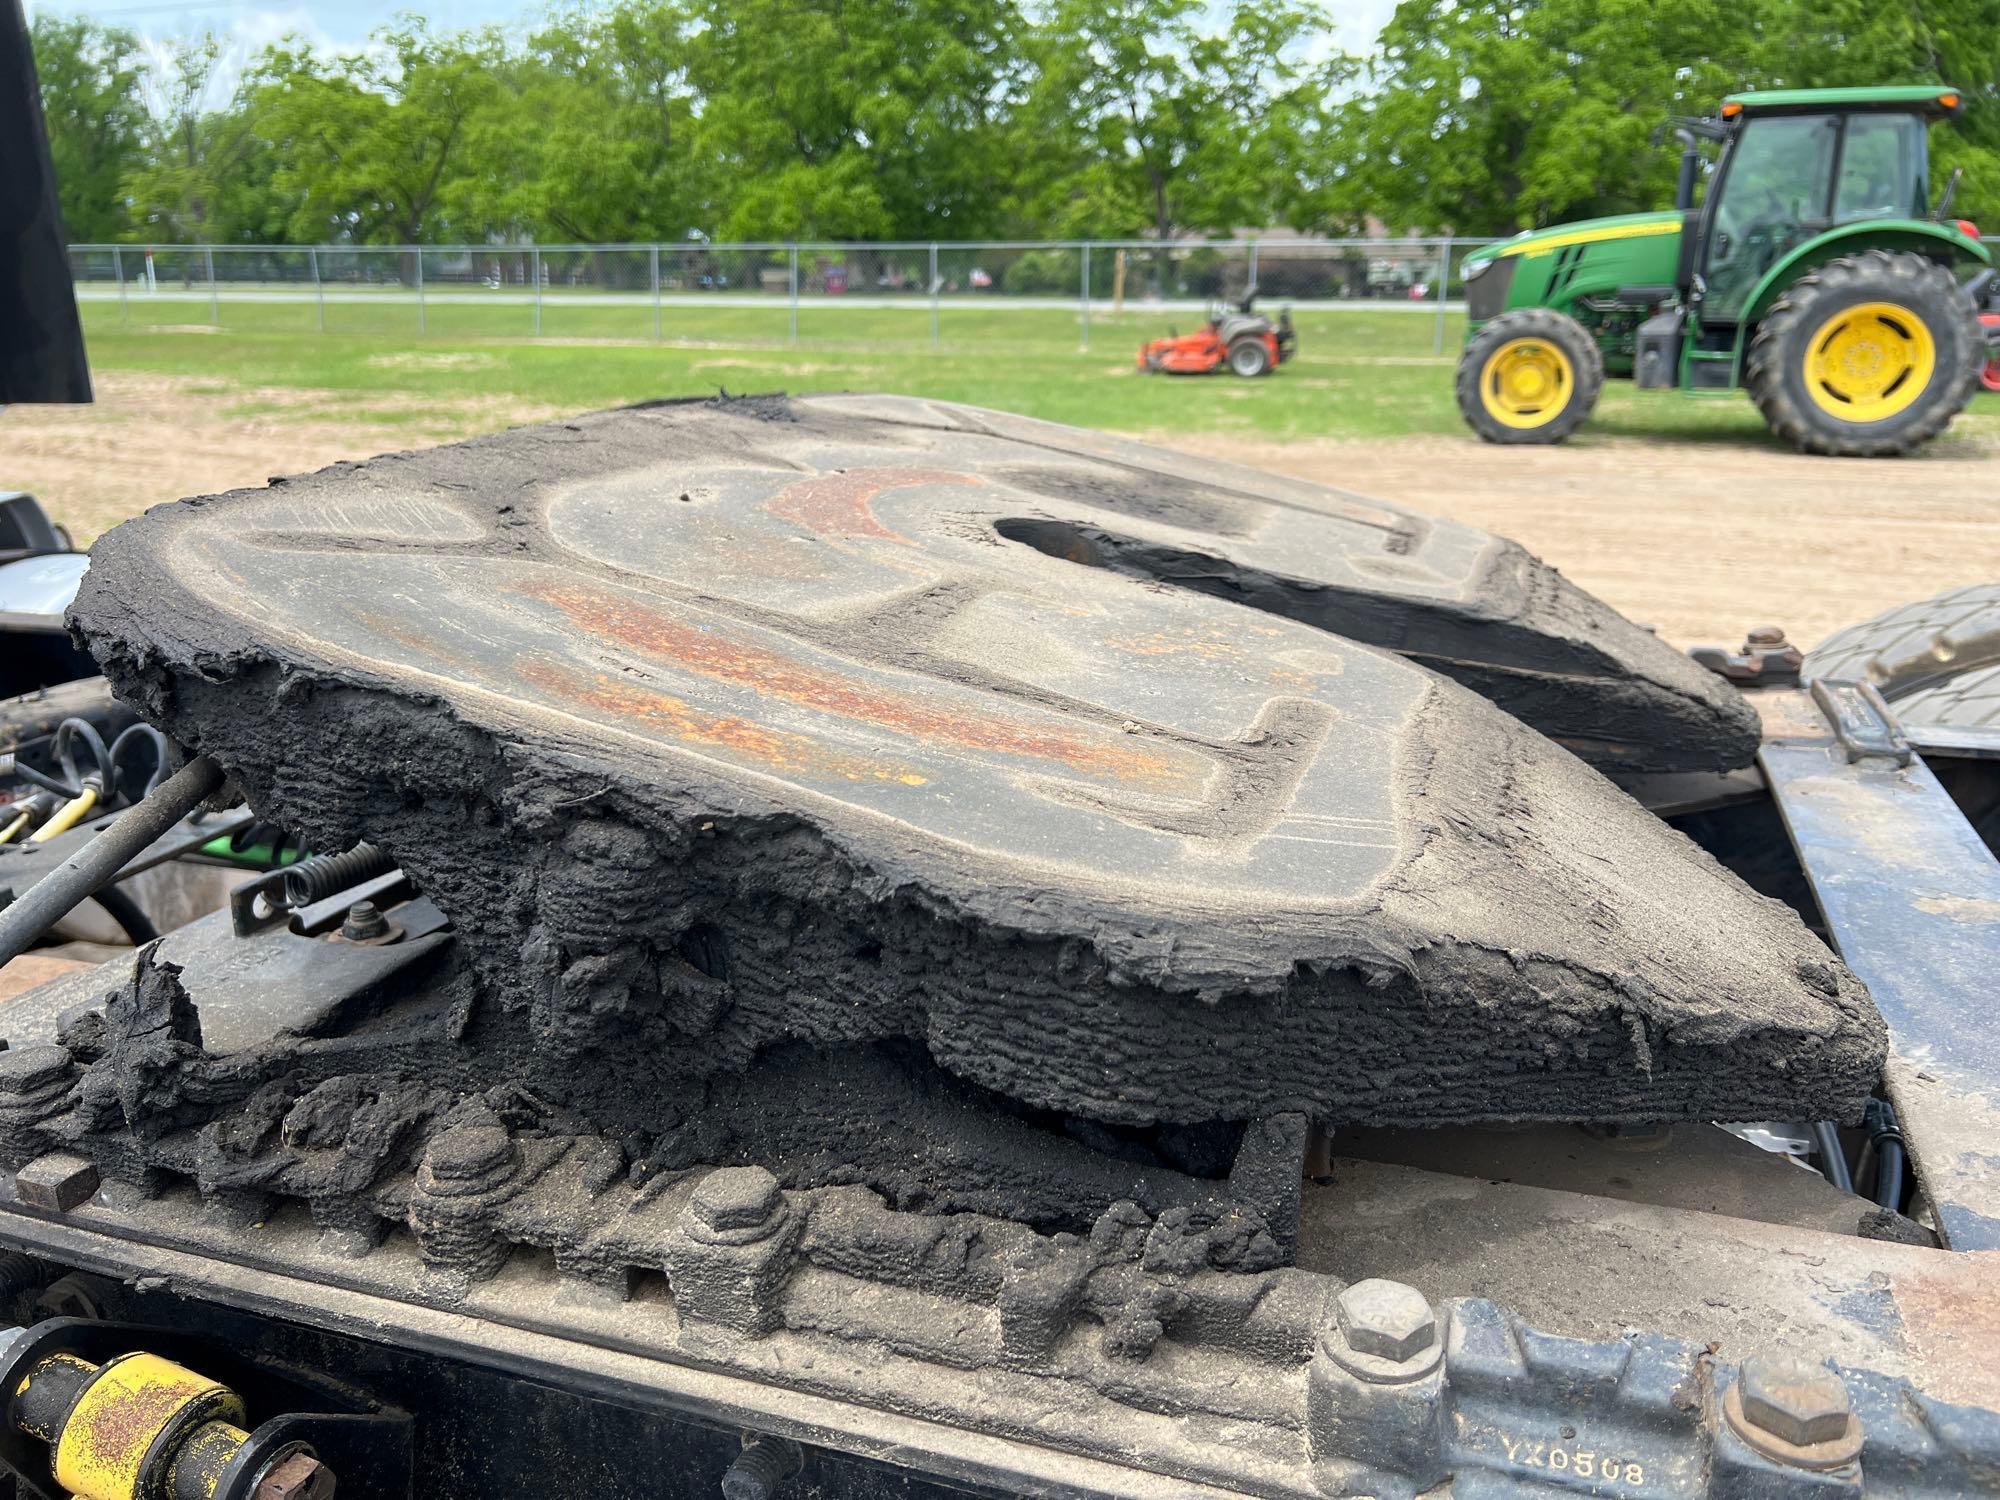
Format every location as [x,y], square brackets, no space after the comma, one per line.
[101,1452]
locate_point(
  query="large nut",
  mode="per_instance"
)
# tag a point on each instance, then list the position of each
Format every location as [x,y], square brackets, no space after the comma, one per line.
[736,1198]
[1804,1405]
[1386,1319]
[57,1182]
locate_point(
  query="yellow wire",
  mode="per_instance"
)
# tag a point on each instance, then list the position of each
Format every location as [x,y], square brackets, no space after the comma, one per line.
[72,813]
[13,829]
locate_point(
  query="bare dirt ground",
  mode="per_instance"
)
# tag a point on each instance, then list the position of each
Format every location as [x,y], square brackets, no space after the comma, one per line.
[153,438]
[1699,537]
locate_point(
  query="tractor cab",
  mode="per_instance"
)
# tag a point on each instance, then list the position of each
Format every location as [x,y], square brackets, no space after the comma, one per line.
[1796,164]
[1820,274]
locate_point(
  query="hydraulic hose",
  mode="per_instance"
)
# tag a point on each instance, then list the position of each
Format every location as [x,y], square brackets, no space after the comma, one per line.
[72,813]
[1890,1154]
[122,909]
[13,830]
[95,865]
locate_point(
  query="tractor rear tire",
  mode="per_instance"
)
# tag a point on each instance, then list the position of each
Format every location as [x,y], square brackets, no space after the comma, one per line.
[1249,358]
[1529,376]
[1867,356]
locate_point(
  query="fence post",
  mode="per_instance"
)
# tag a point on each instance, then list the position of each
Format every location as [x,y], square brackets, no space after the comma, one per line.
[1086,297]
[655,259]
[795,294]
[934,295]
[419,253]
[535,270]
[319,287]
[118,270]
[214,307]
[1253,269]
[1444,280]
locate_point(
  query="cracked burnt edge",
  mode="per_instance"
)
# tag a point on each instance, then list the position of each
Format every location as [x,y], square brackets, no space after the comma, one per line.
[687,976]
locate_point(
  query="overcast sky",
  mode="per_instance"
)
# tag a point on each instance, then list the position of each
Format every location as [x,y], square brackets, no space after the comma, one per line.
[344,25]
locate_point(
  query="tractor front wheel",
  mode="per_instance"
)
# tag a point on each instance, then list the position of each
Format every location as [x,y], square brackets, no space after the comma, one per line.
[1529,376]
[1867,356]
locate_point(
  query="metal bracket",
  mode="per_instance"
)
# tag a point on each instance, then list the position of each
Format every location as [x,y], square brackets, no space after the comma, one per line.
[1861,720]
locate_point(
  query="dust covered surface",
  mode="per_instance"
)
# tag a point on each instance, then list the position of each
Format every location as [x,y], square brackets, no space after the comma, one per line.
[848,786]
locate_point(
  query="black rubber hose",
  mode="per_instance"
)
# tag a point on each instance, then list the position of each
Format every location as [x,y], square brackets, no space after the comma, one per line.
[1889,1173]
[100,753]
[1890,1154]
[46,782]
[123,910]
[1833,1160]
[151,736]
[98,862]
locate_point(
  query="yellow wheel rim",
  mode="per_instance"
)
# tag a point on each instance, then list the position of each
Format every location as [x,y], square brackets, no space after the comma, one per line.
[1526,383]
[1870,362]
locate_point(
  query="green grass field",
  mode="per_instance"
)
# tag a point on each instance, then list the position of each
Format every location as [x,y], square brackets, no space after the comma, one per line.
[1360,372]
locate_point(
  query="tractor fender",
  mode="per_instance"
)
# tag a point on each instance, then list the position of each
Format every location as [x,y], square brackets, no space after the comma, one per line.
[1919,235]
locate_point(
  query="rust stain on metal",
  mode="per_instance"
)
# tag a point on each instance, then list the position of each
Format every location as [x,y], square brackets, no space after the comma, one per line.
[714,654]
[842,504]
[680,720]
[1952,1321]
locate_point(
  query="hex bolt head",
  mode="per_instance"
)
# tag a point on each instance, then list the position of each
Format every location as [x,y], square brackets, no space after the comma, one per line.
[1386,1319]
[299,1477]
[736,1198]
[1802,1404]
[364,923]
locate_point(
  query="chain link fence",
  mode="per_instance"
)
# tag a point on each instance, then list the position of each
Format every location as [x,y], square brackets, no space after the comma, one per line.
[941,294]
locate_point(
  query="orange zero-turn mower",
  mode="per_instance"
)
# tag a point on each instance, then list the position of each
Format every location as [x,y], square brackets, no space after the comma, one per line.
[1242,339]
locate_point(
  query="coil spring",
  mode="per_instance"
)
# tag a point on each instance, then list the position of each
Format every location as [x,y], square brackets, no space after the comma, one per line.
[324,875]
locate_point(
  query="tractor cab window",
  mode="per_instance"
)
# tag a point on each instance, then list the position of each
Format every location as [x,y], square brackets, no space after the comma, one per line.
[1774,194]
[1883,169]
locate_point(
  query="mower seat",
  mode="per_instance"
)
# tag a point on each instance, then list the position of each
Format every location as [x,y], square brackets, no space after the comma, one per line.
[1232,326]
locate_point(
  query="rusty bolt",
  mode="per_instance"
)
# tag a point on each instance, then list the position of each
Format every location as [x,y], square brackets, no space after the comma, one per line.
[736,1198]
[1802,1404]
[762,1470]
[1386,1319]
[367,925]
[1765,638]
[299,1477]
[57,1182]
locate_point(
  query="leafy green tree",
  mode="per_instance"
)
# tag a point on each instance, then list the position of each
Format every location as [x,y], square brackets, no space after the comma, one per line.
[596,133]
[90,94]
[207,175]
[1489,116]
[377,147]
[854,118]
[1157,117]
[1957,42]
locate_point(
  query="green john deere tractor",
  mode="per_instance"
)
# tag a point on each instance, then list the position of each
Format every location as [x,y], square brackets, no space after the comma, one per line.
[1817,275]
